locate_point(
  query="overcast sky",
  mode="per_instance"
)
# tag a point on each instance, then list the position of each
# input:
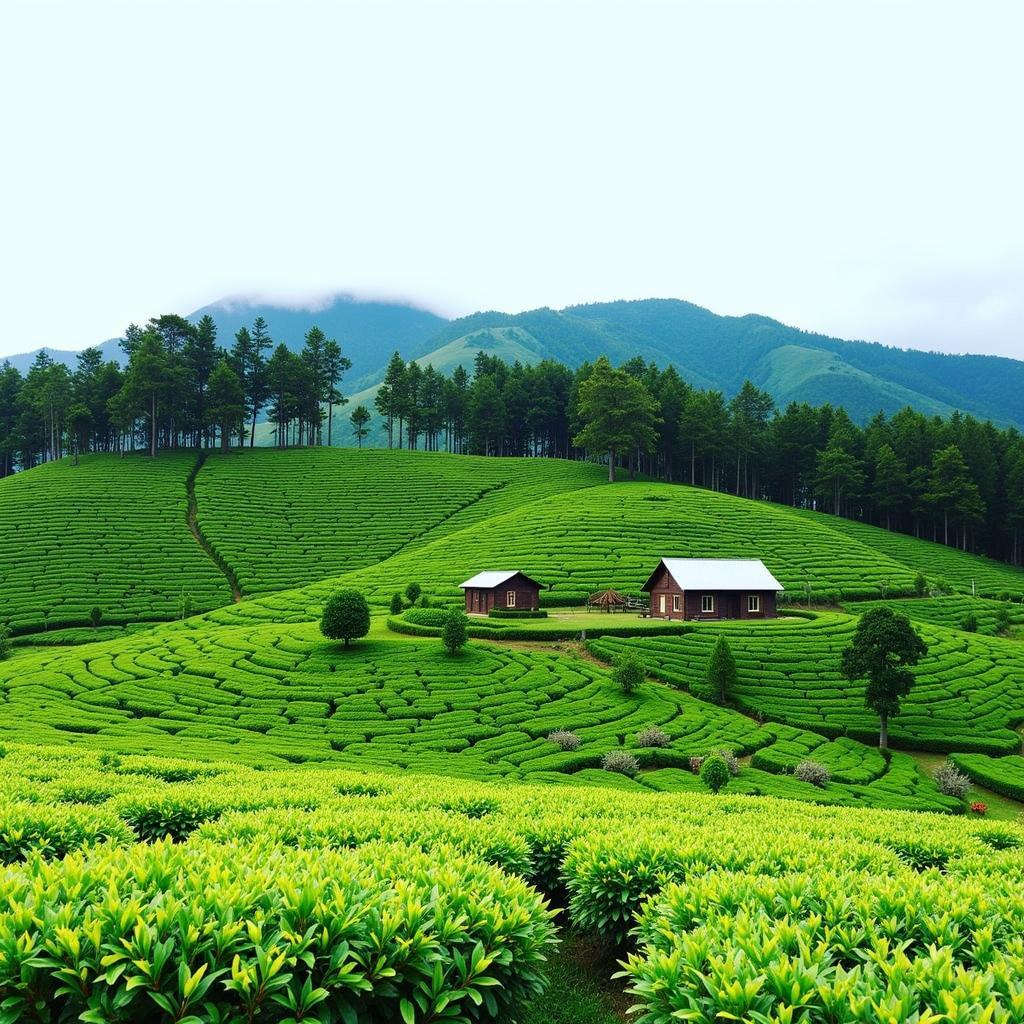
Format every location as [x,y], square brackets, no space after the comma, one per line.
[850,167]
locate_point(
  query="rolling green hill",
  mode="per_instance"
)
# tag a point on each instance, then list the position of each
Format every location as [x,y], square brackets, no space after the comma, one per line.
[193,807]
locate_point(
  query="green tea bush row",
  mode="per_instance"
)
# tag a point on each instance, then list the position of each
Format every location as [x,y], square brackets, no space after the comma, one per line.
[246,930]
[110,532]
[1002,774]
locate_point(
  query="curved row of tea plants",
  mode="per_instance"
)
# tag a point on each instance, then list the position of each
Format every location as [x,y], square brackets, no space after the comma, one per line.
[110,533]
[951,611]
[283,518]
[968,693]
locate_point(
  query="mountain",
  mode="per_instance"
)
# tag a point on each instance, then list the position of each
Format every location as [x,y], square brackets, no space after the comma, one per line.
[368,331]
[707,349]
[722,351]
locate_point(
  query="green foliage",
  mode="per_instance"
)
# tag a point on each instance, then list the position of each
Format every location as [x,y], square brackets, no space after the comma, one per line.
[324,928]
[397,604]
[720,679]
[1002,774]
[629,672]
[517,613]
[920,585]
[453,632]
[95,616]
[564,739]
[714,773]
[652,736]
[5,641]
[884,645]
[346,616]
[412,593]
[969,623]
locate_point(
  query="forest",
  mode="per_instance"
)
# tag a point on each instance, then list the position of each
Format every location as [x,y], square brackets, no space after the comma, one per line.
[956,480]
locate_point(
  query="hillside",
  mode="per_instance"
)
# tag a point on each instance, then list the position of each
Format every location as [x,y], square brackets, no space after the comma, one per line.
[794,365]
[710,351]
[236,785]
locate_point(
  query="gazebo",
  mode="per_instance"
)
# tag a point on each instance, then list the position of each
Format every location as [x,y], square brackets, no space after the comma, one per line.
[607,601]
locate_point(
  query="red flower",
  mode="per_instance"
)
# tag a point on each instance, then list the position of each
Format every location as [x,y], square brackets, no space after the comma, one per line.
[978,807]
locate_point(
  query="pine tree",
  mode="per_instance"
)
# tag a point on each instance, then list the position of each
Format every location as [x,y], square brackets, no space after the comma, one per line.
[359,418]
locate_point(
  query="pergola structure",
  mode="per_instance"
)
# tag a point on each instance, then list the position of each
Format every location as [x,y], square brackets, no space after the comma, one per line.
[607,601]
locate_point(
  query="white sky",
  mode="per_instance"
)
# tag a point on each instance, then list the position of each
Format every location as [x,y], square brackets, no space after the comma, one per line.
[853,167]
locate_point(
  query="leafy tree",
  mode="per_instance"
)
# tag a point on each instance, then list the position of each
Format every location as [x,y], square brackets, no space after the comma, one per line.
[969,624]
[227,401]
[148,381]
[629,672]
[891,487]
[953,493]
[412,593]
[617,414]
[714,773]
[884,647]
[453,632]
[95,617]
[838,475]
[720,679]
[920,585]
[396,604]
[359,418]
[5,640]
[335,367]
[346,616]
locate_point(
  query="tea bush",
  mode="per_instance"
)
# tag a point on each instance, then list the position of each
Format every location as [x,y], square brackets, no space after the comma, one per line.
[815,773]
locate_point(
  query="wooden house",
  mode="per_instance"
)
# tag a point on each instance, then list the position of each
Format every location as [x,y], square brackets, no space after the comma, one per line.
[712,588]
[509,589]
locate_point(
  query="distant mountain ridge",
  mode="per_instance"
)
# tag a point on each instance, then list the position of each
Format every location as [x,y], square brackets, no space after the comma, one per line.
[707,349]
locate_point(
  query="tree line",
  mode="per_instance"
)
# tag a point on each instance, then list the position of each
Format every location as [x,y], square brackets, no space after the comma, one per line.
[955,479]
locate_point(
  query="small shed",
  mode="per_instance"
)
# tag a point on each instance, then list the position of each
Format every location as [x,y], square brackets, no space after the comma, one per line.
[510,589]
[712,588]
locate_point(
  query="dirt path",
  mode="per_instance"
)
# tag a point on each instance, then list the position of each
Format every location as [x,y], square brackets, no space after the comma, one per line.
[192,518]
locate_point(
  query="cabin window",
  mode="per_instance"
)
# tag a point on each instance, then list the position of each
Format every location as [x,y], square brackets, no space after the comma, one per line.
[510,599]
[707,604]
[753,602]
[675,602]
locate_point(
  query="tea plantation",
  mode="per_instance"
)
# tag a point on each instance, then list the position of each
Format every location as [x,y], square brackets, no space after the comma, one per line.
[221,893]
[231,818]
[109,533]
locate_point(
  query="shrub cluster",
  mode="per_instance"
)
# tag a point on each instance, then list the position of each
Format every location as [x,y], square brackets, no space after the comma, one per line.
[620,761]
[951,781]
[564,739]
[813,772]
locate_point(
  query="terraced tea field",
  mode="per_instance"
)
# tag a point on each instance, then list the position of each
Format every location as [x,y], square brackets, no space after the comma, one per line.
[954,569]
[283,518]
[951,611]
[968,694]
[108,533]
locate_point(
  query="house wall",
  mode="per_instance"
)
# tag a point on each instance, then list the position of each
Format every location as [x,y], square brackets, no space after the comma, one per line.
[729,604]
[527,597]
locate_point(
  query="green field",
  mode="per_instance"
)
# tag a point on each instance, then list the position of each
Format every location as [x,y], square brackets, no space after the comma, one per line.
[108,533]
[324,802]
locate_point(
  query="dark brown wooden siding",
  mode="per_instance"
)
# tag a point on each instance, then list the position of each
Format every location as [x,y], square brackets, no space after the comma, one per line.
[669,601]
[480,600]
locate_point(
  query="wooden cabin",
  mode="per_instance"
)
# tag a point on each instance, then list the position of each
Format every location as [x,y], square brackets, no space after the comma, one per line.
[712,588]
[509,589]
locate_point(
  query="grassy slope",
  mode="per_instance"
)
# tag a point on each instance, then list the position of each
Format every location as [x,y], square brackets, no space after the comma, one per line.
[109,532]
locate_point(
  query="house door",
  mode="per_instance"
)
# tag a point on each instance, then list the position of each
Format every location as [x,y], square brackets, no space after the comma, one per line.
[661,604]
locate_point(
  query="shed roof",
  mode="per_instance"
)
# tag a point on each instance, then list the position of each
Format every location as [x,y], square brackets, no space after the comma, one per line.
[719,574]
[495,578]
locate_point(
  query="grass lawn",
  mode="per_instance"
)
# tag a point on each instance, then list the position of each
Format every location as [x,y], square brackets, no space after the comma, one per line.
[581,619]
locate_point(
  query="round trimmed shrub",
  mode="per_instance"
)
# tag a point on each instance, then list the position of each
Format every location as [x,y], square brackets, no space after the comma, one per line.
[732,762]
[813,772]
[620,761]
[714,773]
[629,672]
[346,616]
[652,736]
[564,739]
[950,781]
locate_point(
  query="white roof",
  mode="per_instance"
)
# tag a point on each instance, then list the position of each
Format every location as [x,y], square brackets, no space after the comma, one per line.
[486,580]
[721,574]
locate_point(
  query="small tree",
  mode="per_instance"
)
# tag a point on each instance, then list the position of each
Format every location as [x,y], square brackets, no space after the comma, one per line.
[720,681]
[714,773]
[629,672]
[396,604]
[5,641]
[95,617]
[1002,623]
[920,585]
[412,593]
[969,623]
[346,616]
[453,632]
[883,648]
[359,418]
